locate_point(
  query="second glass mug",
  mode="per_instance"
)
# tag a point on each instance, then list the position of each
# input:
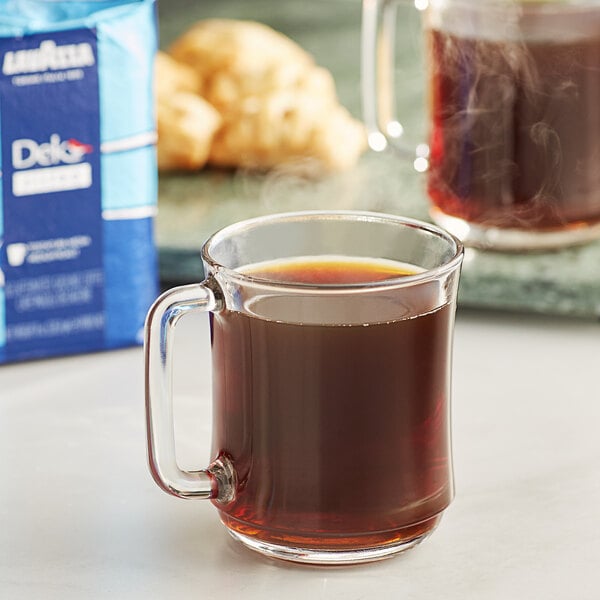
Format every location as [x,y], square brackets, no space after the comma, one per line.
[514,117]
[331,337]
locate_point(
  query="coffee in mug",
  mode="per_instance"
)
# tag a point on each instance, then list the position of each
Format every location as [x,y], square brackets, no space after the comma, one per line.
[331,338]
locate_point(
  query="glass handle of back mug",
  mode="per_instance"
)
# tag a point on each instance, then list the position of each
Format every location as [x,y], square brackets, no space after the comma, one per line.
[377,80]
[217,482]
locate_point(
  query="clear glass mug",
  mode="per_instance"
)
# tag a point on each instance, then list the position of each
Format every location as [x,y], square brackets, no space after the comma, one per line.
[331,383]
[514,119]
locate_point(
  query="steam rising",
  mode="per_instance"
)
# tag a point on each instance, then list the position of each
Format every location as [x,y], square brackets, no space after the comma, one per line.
[511,121]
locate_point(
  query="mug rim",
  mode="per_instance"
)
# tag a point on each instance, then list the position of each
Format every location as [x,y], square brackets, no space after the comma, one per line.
[233,229]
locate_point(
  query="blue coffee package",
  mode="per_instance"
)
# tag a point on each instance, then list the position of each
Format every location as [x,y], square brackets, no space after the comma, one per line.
[78,267]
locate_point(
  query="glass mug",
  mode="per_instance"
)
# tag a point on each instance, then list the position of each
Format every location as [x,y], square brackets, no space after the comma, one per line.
[514,117]
[331,337]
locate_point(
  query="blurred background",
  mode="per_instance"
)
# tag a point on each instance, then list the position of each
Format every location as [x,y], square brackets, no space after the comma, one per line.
[192,205]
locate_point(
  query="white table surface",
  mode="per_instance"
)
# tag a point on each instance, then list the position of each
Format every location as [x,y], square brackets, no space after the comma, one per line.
[80,517]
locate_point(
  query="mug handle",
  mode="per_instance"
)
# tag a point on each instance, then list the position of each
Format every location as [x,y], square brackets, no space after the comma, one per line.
[217,482]
[377,81]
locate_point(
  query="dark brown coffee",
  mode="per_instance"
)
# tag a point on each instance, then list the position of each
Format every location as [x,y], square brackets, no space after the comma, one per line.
[515,138]
[339,434]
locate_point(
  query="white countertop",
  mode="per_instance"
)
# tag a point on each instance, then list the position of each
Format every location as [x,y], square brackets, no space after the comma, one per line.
[81,518]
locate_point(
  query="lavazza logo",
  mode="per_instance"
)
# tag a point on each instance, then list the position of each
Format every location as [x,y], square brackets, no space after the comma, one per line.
[48,57]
